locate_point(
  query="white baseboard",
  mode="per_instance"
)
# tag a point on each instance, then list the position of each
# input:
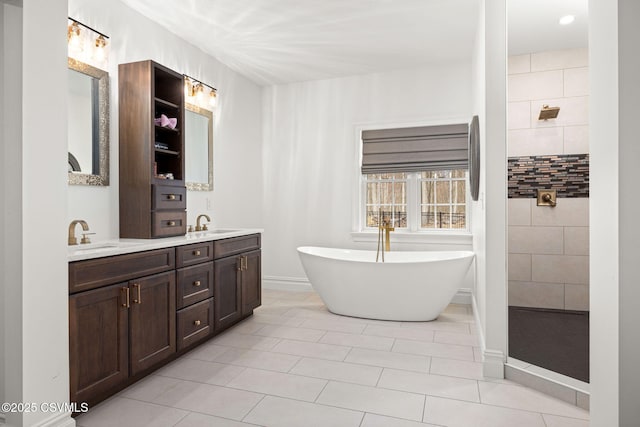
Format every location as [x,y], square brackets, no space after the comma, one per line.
[286,283]
[463,296]
[492,360]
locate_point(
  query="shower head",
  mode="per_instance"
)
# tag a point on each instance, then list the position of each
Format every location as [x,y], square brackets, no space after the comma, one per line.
[548,112]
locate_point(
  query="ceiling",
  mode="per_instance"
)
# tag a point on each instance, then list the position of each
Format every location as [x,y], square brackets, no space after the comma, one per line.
[281,41]
[533,25]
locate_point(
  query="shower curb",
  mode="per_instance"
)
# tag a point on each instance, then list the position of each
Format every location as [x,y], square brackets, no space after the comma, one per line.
[548,386]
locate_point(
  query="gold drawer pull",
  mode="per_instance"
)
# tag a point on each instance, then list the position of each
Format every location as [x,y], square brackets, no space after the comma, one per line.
[125,299]
[138,298]
[197,283]
[171,223]
[171,197]
[196,253]
[197,323]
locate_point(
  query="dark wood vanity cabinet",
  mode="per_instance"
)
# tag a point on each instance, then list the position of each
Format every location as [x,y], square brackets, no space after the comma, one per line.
[237,280]
[119,330]
[151,204]
[98,341]
[130,314]
[195,293]
[152,325]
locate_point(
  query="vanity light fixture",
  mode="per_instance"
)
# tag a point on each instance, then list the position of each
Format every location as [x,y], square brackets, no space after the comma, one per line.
[213,98]
[86,44]
[195,93]
[73,36]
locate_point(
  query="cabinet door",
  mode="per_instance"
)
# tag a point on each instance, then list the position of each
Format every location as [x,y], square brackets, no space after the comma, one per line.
[98,341]
[227,292]
[153,320]
[251,283]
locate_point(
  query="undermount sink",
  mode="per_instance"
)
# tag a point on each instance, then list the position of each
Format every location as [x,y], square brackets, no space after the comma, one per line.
[93,247]
[220,231]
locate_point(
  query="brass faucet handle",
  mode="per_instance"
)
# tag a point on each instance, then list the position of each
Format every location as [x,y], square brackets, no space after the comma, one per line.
[85,239]
[190,230]
[204,227]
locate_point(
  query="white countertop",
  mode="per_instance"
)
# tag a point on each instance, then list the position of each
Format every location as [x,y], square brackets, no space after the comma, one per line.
[107,248]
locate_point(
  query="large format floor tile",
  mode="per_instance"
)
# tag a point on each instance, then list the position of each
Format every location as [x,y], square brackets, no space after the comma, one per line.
[279,384]
[386,359]
[278,412]
[124,412]
[339,371]
[375,400]
[296,364]
[455,413]
[432,385]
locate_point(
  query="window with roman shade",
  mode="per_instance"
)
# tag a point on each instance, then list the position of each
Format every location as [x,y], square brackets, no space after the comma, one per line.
[415,149]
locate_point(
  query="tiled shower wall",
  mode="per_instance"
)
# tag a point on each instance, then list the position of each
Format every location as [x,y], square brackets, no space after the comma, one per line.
[548,246]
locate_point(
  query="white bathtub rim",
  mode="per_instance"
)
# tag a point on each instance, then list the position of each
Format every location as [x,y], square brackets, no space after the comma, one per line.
[392,257]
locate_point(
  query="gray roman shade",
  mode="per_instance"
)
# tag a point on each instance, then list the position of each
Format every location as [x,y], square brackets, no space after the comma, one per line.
[415,149]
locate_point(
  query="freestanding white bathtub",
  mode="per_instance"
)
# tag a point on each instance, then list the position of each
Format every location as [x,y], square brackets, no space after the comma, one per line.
[408,286]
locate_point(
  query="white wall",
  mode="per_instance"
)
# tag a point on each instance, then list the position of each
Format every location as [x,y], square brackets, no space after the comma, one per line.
[35,271]
[311,165]
[236,200]
[615,89]
[490,211]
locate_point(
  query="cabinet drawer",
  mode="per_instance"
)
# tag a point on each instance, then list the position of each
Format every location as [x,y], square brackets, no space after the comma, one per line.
[194,254]
[194,284]
[93,273]
[195,323]
[168,197]
[235,245]
[169,223]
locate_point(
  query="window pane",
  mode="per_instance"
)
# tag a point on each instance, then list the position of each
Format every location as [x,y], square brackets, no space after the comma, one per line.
[427,192]
[399,193]
[372,216]
[427,216]
[458,191]
[386,193]
[372,193]
[443,218]
[427,175]
[458,217]
[458,173]
[442,192]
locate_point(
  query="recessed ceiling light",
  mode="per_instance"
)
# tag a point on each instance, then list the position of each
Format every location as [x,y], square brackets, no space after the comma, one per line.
[567,19]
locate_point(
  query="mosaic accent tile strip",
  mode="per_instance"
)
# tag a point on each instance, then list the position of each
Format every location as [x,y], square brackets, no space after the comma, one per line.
[568,174]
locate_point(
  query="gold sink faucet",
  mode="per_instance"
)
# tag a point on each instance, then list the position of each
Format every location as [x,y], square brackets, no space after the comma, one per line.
[202,227]
[72,232]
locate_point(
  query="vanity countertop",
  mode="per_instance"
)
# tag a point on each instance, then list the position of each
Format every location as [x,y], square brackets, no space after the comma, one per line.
[126,246]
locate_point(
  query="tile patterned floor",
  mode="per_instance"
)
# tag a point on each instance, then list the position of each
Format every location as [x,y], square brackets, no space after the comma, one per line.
[294,364]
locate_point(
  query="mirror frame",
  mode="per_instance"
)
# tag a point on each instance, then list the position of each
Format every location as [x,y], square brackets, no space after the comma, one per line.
[202,186]
[474,157]
[102,178]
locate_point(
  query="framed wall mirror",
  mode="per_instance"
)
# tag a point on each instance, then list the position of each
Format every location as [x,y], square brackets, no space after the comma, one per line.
[198,145]
[88,129]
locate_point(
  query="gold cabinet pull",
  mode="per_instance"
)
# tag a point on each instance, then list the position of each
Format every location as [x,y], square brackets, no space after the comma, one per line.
[197,323]
[138,299]
[171,223]
[171,197]
[125,298]
[197,283]
[239,263]
[196,252]
[244,262]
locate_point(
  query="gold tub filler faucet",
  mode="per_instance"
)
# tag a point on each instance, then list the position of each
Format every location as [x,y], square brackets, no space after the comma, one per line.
[384,228]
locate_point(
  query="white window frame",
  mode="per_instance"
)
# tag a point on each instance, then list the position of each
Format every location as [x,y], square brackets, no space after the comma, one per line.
[414,205]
